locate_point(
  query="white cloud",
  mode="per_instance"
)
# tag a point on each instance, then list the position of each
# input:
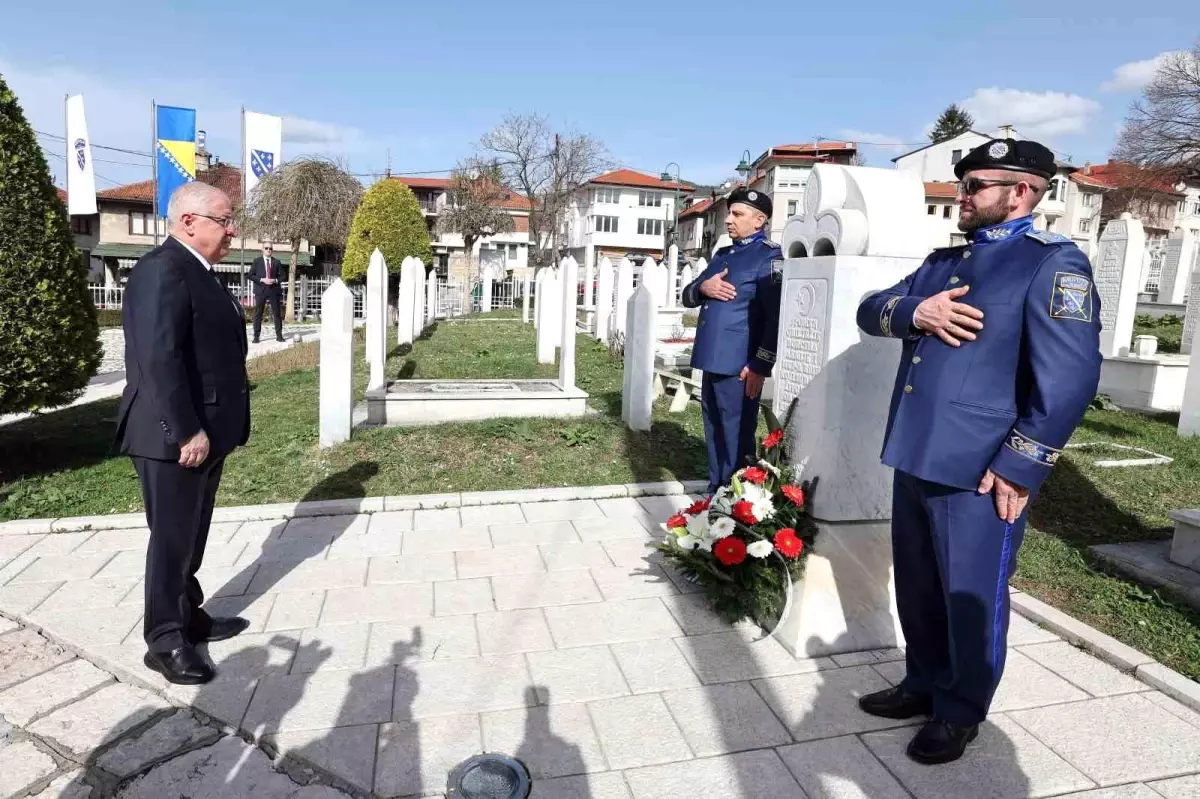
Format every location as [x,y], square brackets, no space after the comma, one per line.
[298,130]
[1136,74]
[1033,114]
[881,140]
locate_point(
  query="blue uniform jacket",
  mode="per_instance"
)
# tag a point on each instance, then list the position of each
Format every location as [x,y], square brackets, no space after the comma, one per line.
[1009,400]
[742,331]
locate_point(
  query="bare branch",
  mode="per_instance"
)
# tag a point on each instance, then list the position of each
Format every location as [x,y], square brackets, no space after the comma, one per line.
[475,203]
[1162,129]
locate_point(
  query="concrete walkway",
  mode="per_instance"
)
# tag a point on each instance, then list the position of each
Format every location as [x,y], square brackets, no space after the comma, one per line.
[388,646]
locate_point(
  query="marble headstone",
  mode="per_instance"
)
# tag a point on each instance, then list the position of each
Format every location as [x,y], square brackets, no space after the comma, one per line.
[1189,409]
[589,275]
[654,277]
[547,310]
[569,278]
[377,310]
[672,276]
[1177,267]
[431,295]
[405,299]
[685,278]
[1117,270]
[637,388]
[604,298]
[485,294]
[525,285]
[418,298]
[1192,316]
[624,290]
[337,364]
[538,296]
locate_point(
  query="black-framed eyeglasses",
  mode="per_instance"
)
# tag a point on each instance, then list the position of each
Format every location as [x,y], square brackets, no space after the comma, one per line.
[223,221]
[972,186]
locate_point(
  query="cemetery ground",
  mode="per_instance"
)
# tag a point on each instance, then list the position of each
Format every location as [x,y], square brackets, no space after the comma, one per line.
[65,466]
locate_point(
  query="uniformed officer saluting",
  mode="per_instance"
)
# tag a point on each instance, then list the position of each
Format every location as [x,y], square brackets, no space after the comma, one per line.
[1000,360]
[735,337]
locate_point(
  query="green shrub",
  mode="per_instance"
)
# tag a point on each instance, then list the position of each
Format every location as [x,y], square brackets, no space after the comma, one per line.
[49,340]
[1167,329]
[389,218]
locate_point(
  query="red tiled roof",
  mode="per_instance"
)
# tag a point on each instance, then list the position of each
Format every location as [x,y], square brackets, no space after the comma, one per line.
[140,192]
[1118,175]
[512,200]
[223,176]
[941,190]
[62,195]
[696,209]
[628,177]
[817,146]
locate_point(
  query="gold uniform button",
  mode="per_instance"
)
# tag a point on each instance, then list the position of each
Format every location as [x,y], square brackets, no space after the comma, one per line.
[916,359]
[954,279]
[908,389]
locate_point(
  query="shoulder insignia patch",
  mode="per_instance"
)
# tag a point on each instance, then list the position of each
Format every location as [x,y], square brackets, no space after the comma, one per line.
[1071,297]
[773,244]
[776,270]
[1046,237]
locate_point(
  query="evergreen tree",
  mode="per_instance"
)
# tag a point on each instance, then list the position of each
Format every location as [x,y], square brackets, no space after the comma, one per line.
[954,121]
[389,218]
[49,337]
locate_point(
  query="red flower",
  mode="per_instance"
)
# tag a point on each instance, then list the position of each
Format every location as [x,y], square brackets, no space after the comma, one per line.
[774,439]
[795,494]
[788,544]
[677,520]
[744,513]
[730,550]
[753,474]
[698,506]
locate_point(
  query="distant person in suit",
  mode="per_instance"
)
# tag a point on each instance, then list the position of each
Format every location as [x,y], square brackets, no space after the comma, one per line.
[186,406]
[264,272]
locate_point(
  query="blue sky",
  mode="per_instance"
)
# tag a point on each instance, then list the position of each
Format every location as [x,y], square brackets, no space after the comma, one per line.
[694,83]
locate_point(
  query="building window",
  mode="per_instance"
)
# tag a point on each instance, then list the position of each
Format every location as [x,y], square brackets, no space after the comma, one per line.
[650,199]
[955,156]
[607,196]
[946,209]
[1085,226]
[1196,208]
[141,223]
[512,251]
[931,210]
[791,208]
[650,227]
[1054,187]
[604,224]
[1088,200]
[82,225]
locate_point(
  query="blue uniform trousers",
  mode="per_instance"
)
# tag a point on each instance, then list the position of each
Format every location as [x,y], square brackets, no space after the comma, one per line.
[730,420]
[953,557]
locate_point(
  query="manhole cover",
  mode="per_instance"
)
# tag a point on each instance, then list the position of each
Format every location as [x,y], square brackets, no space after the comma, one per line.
[489,776]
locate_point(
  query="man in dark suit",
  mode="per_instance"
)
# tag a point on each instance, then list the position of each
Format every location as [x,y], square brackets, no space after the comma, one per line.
[186,406]
[264,273]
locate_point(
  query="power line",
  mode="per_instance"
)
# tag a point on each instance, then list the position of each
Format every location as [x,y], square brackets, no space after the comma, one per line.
[56,137]
[97,174]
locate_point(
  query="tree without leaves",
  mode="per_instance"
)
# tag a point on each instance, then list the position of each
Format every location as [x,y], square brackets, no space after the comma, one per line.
[547,168]
[954,121]
[1162,130]
[475,204]
[309,198]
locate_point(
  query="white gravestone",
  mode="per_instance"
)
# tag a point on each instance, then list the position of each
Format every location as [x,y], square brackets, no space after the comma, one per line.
[568,275]
[538,280]
[637,387]
[525,299]
[685,277]
[654,276]
[404,300]
[431,294]
[1191,317]
[861,231]
[547,308]
[337,364]
[1116,273]
[604,299]
[672,276]
[624,291]
[485,292]
[1189,409]
[1144,346]
[418,298]
[722,241]
[589,275]
[376,310]
[1177,267]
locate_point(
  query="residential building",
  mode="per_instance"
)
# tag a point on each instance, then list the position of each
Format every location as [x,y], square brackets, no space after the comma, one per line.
[622,213]
[693,232]
[505,251]
[782,172]
[86,230]
[941,214]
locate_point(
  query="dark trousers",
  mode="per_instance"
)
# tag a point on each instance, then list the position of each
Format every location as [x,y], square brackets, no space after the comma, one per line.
[262,296]
[953,557]
[730,419]
[179,508]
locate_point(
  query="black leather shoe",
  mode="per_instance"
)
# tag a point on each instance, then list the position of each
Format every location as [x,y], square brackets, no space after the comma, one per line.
[896,703]
[279,338]
[941,742]
[221,628]
[183,666]
[255,340]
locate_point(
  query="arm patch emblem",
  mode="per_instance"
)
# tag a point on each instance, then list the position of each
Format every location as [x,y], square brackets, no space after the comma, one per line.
[777,270]
[1071,297]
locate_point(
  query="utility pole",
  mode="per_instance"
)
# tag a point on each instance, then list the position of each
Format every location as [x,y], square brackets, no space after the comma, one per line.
[555,192]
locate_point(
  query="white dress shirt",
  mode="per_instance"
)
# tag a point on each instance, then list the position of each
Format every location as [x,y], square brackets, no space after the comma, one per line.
[192,250]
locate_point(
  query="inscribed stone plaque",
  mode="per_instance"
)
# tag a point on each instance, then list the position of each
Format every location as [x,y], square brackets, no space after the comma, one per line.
[802,345]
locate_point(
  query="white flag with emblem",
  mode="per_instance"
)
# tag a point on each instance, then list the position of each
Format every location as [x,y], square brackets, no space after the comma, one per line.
[81,180]
[263,143]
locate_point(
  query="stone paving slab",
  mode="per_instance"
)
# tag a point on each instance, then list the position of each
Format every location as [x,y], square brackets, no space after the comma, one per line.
[178,731]
[46,692]
[25,654]
[746,774]
[98,718]
[24,766]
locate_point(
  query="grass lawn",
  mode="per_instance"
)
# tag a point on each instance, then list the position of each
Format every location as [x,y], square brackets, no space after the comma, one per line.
[61,464]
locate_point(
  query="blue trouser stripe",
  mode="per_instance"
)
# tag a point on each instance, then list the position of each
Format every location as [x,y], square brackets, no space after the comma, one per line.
[999,610]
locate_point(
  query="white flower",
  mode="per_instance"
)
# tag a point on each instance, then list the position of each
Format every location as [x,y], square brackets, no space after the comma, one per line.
[760,549]
[722,527]
[760,501]
[773,470]
[705,544]
[698,525]
[687,541]
[722,501]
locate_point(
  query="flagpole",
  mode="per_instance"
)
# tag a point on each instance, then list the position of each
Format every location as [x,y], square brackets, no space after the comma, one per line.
[67,145]
[154,165]
[245,166]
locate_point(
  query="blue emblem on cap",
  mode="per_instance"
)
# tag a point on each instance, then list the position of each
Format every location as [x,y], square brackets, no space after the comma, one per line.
[80,152]
[261,162]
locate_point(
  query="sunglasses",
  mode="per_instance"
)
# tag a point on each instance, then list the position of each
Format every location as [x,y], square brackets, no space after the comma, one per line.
[972,186]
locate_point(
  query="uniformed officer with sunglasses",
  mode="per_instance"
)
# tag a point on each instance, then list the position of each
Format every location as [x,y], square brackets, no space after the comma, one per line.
[1000,359]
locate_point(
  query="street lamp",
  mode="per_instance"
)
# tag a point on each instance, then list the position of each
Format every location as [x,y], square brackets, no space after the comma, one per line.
[743,167]
[666,176]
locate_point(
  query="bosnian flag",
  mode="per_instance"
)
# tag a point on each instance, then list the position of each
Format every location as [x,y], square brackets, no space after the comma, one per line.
[81,179]
[263,143]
